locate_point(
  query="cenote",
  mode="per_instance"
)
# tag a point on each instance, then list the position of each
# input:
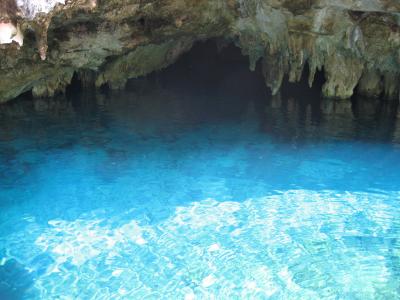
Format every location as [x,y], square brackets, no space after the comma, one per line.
[195,183]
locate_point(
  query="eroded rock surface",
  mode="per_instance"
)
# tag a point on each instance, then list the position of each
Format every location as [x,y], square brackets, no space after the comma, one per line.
[354,42]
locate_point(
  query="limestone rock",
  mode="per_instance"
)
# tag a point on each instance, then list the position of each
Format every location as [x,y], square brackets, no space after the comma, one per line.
[354,42]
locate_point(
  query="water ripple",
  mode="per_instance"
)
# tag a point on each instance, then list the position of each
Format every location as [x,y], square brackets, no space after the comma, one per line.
[292,245]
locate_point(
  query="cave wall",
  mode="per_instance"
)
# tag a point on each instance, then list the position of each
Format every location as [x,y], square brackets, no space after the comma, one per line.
[354,42]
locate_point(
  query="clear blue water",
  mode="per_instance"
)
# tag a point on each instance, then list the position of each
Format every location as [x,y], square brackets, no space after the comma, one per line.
[199,186]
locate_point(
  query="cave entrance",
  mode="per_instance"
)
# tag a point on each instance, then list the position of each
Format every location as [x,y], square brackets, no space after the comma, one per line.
[213,70]
[213,80]
[216,68]
[219,68]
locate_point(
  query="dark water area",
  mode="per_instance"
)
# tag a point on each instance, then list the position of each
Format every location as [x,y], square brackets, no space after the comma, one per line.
[194,183]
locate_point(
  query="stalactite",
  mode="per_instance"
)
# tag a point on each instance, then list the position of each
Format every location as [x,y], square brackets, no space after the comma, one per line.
[370,83]
[54,85]
[313,66]
[342,74]
[41,27]
[87,78]
[275,67]
[353,43]
[298,56]
[391,83]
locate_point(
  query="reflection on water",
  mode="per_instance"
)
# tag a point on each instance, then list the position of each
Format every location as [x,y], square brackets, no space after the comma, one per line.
[196,184]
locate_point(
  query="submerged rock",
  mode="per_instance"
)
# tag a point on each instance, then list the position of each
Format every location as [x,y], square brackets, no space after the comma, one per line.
[355,43]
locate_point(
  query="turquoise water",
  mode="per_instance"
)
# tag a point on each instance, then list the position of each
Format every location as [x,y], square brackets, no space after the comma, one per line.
[199,187]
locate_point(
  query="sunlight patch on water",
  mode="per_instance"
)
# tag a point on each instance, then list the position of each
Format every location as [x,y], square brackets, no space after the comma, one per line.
[296,244]
[82,240]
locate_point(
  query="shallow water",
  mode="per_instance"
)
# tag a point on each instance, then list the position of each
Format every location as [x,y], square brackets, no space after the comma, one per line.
[194,185]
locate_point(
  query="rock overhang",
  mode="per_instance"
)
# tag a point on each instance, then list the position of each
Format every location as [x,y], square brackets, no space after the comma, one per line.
[355,43]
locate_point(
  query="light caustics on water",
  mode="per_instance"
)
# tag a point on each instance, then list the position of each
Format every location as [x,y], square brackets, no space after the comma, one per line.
[199,191]
[296,245]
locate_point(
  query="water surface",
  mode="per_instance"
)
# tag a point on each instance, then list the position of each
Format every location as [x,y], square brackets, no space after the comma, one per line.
[197,184]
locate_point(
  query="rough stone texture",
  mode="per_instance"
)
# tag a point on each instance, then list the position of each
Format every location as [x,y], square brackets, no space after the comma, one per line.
[356,43]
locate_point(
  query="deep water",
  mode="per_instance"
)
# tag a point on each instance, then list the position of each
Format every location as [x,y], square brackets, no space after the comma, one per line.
[195,183]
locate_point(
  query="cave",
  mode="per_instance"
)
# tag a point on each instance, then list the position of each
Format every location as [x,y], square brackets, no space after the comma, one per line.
[199,149]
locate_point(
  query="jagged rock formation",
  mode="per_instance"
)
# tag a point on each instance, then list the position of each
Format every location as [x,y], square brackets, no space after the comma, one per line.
[354,42]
